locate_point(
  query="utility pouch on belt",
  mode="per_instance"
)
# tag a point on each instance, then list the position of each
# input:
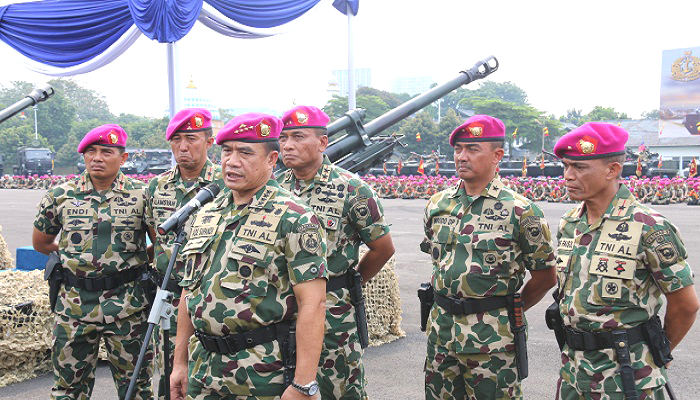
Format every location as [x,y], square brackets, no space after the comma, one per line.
[556,323]
[519,328]
[358,300]
[149,283]
[52,273]
[426,296]
[656,339]
[289,355]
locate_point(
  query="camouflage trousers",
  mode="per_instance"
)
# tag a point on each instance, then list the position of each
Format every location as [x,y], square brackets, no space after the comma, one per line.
[158,347]
[567,392]
[75,350]
[254,373]
[450,375]
[341,374]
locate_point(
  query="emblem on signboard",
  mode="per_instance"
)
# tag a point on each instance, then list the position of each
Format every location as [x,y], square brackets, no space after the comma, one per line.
[686,68]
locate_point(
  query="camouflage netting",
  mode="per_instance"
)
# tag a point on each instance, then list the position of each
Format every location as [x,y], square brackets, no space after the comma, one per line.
[25,326]
[383,305]
[6,261]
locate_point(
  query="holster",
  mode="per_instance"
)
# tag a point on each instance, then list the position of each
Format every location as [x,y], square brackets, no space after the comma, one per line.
[659,345]
[556,323]
[289,354]
[358,300]
[626,371]
[426,295]
[149,283]
[53,274]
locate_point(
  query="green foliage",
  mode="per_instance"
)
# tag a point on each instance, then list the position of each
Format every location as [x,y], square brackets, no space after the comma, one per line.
[604,114]
[226,115]
[653,114]
[65,118]
[373,105]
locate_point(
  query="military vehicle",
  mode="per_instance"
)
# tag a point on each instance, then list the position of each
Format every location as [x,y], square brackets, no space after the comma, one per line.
[142,162]
[33,161]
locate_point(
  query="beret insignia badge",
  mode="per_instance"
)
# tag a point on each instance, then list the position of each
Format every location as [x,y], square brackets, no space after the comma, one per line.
[587,145]
[198,121]
[476,131]
[263,129]
[113,138]
[302,118]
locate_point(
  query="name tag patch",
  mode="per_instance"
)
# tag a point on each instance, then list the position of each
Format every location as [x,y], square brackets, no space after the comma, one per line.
[619,238]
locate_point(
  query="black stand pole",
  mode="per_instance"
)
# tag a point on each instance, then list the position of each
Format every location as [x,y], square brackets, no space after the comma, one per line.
[161,310]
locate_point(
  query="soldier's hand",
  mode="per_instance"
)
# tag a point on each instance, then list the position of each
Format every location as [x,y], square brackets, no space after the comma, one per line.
[292,394]
[178,383]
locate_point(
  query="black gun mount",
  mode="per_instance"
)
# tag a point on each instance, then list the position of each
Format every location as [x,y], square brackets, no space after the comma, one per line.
[35,97]
[359,148]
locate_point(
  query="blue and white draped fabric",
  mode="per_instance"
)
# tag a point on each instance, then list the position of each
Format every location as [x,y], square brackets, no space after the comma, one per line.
[70,37]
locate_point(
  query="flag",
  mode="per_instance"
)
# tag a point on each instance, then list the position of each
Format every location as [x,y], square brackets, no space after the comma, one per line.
[515,132]
[619,124]
[662,128]
[398,167]
[661,162]
[524,167]
[22,116]
[542,162]
[437,168]
[384,167]
[641,147]
[418,137]
[692,168]
[546,131]
[421,169]
[639,167]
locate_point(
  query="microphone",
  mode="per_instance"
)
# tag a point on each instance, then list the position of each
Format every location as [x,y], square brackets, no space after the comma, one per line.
[207,194]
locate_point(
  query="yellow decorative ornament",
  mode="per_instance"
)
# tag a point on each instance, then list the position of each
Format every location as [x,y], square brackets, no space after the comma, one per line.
[302,118]
[113,138]
[476,131]
[198,121]
[686,68]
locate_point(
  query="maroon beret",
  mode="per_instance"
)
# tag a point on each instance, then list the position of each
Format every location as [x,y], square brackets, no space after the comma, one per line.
[305,117]
[479,128]
[252,128]
[592,140]
[105,135]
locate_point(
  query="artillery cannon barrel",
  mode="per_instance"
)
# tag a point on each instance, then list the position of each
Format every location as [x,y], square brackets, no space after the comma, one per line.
[349,143]
[36,96]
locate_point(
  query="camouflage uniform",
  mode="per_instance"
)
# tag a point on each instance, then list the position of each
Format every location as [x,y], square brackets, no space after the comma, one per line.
[102,234]
[614,273]
[241,265]
[351,214]
[165,195]
[480,248]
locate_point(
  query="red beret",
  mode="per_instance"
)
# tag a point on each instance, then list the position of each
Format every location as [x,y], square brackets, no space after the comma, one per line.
[479,128]
[106,135]
[189,119]
[305,117]
[592,140]
[251,128]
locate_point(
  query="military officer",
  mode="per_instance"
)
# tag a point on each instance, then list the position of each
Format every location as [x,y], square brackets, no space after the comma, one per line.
[616,258]
[255,268]
[352,214]
[102,248]
[482,237]
[190,136]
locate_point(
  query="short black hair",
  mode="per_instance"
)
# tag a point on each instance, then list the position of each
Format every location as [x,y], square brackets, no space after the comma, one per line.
[272,146]
[495,145]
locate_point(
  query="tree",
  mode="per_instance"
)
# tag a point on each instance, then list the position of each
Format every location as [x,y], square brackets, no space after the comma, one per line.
[573,116]
[89,104]
[506,91]
[226,115]
[14,137]
[599,113]
[424,125]
[374,106]
[653,114]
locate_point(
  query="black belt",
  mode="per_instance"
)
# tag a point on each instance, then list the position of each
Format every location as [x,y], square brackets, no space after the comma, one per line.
[232,344]
[339,282]
[107,282]
[582,340]
[470,306]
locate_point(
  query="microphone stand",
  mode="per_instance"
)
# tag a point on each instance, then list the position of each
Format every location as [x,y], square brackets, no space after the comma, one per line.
[160,314]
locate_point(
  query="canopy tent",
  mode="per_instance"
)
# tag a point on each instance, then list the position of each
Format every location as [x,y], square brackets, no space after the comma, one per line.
[71,37]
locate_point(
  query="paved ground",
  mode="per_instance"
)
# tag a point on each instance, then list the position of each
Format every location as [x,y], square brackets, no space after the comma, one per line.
[394,370]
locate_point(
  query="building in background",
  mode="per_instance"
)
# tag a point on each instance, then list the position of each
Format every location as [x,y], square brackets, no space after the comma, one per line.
[192,97]
[412,85]
[676,151]
[363,77]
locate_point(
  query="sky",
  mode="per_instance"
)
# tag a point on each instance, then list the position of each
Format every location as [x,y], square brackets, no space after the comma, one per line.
[564,56]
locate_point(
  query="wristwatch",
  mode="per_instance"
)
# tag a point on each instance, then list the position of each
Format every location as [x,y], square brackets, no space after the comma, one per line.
[309,389]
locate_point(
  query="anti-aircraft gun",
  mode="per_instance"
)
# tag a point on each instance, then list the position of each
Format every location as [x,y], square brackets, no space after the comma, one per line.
[359,148]
[35,97]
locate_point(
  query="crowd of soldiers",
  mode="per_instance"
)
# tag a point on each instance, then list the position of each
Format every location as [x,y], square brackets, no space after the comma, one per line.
[655,191]
[265,287]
